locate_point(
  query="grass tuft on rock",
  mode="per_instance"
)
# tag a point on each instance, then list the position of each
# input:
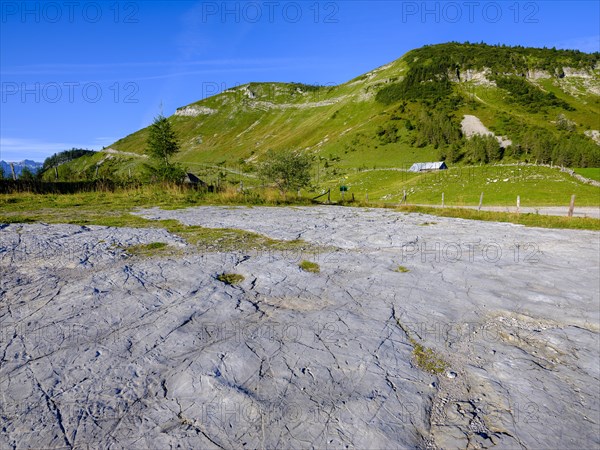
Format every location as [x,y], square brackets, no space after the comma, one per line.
[427,360]
[309,266]
[151,249]
[231,279]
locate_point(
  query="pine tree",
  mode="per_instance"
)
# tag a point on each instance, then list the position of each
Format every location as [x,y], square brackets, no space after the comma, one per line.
[27,174]
[162,141]
[161,146]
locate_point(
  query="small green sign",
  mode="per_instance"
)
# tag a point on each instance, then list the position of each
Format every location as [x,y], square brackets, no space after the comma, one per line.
[343,188]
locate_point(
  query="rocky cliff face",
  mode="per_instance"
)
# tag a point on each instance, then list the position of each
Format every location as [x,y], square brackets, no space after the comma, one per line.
[485,76]
[194,111]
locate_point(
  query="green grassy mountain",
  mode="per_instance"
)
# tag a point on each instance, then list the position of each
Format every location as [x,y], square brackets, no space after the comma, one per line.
[545,103]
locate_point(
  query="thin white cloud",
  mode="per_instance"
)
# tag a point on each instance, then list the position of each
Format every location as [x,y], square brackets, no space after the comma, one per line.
[63,69]
[18,149]
[9,90]
[207,72]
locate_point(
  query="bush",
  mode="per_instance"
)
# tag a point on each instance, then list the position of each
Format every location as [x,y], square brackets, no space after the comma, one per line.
[287,170]
[388,134]
[172,173]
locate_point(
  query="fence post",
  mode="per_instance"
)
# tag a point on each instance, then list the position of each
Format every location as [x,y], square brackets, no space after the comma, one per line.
[518,203]
[480,202]
[367,197]
[572,205]
[442,199]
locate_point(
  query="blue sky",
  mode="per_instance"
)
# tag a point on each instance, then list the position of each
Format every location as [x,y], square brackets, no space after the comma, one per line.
[84,74]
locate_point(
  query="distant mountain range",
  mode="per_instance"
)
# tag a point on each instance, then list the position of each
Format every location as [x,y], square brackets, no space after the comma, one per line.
[34,166]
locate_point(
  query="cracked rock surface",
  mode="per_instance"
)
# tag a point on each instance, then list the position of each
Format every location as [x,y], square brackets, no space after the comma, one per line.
[102,350]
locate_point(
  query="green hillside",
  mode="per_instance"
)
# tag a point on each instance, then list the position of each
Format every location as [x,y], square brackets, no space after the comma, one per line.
[543,100]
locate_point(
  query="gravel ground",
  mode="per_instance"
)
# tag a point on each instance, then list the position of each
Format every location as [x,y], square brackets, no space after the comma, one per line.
[103,350]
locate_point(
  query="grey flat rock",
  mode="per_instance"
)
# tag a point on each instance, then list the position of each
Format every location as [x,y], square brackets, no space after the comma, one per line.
[102,350]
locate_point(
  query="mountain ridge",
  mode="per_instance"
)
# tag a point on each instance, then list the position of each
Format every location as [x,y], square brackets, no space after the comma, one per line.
[33,166]
[354,124]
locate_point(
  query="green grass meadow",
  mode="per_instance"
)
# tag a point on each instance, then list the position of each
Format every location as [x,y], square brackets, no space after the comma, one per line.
[462,186]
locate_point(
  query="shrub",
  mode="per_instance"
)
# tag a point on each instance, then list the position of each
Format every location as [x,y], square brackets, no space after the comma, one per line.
[288,170]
